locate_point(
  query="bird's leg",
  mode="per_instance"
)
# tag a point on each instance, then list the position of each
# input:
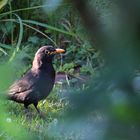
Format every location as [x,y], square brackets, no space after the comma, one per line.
[35,105]
[25,106]
[26,109]
[40,113]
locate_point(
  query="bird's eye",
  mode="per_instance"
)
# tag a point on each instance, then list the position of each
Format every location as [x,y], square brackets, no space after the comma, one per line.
[46,52]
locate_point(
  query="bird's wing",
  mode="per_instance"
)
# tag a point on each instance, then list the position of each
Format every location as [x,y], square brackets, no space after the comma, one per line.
[22,85]
[18,87]
[22,88]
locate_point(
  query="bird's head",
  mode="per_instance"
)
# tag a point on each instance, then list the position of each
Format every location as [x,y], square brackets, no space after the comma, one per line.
[44,55]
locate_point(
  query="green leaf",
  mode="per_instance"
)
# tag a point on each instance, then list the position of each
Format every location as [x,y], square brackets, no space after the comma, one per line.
[3,3]
[19,38]
[5,46]
[49,27]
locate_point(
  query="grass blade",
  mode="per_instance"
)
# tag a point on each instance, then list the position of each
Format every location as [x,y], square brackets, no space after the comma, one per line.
[3,3]
[40,33]
[19,38]
[5,46]
[49,27]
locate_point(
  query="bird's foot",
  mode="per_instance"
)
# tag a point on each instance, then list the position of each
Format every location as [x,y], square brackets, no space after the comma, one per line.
[42,115]
[28,113]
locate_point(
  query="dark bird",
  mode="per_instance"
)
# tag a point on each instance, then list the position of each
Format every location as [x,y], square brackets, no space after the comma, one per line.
[38,82]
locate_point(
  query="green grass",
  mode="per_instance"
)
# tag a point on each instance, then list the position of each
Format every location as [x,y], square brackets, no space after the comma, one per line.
[51,109]
[16,123]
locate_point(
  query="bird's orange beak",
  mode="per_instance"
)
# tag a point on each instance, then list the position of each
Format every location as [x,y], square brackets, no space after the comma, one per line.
[59,50]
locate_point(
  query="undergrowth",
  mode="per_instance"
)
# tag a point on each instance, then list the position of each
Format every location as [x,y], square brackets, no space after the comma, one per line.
[26,26]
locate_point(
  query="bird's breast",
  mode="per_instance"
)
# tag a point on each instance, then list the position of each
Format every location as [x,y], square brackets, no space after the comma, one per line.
[45,84]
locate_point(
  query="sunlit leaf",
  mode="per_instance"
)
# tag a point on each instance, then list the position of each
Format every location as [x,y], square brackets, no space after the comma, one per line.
[3,3]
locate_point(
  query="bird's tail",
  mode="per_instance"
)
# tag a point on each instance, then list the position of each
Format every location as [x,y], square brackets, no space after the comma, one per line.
[9,97]
[5,96]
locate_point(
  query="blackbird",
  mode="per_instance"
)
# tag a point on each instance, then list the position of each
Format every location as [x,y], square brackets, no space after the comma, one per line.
[38,82]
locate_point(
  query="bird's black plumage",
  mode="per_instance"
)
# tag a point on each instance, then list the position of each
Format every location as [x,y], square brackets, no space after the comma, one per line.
[38,82]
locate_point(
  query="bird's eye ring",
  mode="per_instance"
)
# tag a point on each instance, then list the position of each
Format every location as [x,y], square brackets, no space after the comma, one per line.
[46,52]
